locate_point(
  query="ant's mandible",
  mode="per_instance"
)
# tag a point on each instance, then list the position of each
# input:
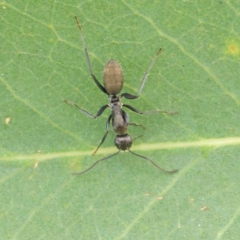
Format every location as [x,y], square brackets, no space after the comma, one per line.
[113,83]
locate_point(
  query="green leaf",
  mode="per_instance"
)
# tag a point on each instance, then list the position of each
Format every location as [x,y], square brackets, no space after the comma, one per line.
[43,140]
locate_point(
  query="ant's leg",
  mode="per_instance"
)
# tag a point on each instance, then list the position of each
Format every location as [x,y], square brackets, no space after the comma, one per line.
[105,135]
[137,124]
[130,96]
[167,171]
[100,111]
[88,59]
[105,158]
[147,112]
[137,137]
[146,74]
[127,119]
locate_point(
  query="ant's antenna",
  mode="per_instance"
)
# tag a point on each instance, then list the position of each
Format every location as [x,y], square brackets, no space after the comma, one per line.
[105,158]
[173,171]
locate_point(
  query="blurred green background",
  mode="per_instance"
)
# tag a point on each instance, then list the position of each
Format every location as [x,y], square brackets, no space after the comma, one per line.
[43,140]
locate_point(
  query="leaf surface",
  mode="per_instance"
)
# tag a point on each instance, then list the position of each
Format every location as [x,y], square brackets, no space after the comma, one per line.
[43,140]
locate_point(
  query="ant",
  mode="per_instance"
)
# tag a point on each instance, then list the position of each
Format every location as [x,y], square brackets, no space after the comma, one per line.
[113,83]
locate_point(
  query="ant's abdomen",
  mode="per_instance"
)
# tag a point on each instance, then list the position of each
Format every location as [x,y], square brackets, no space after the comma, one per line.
[113,77]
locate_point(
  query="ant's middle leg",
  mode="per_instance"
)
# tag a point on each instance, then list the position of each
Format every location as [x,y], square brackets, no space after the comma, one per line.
[100,111]
[147,112]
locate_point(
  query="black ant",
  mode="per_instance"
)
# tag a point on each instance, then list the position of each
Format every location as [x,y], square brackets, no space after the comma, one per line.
[113,83]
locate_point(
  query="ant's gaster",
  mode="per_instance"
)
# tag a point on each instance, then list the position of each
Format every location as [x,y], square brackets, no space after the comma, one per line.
[113,83]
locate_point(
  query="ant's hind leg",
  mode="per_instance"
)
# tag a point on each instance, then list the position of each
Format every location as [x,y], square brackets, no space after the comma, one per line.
[88,59]
[145,76]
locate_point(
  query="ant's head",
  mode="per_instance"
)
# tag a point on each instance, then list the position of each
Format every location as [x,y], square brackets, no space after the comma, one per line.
[123,142]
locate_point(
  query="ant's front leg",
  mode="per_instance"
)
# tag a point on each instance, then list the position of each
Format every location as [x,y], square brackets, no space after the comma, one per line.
[127,120]
[105,135]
